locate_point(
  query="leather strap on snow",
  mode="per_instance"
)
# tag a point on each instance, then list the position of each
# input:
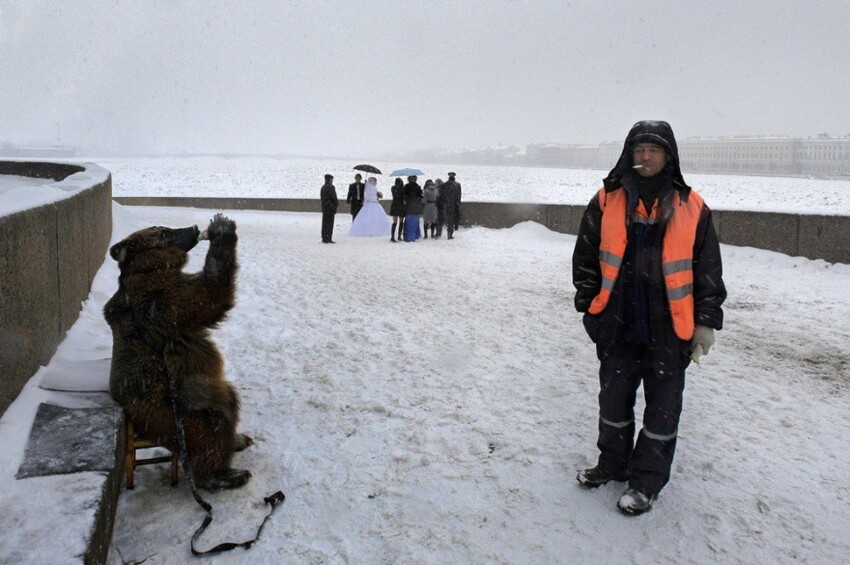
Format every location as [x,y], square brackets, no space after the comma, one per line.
[228,545]
[271,500]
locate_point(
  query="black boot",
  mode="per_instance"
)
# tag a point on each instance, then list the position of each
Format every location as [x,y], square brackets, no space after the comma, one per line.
[595,476]
[635,502]
[392,233]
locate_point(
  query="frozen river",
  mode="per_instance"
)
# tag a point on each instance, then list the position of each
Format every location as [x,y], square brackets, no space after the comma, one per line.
[302,178]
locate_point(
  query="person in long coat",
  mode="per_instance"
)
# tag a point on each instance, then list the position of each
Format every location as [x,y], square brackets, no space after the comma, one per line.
[430,212]
[441,209]
[397,210]
[459,198]
[412,209]
[329,207]
[450,199]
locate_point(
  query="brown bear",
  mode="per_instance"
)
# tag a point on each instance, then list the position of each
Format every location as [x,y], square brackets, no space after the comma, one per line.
[160,319]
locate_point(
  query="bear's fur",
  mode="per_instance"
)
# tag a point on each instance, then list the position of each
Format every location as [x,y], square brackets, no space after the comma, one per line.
[160,319]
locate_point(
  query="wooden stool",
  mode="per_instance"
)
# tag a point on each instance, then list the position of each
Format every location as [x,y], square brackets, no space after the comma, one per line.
[135,442]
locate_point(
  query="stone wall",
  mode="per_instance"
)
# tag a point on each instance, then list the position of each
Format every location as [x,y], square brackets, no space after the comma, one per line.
[49,255]
[811,236]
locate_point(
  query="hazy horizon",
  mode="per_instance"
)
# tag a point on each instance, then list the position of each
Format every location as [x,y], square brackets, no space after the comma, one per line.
[348,79]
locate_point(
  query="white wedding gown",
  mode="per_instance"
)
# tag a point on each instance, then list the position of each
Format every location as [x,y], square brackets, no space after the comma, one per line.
[371,220]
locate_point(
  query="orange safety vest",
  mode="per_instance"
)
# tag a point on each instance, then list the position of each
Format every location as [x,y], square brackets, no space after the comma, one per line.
[677,252]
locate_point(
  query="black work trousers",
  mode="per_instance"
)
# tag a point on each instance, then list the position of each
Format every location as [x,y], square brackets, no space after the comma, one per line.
[328,226]
[649,459]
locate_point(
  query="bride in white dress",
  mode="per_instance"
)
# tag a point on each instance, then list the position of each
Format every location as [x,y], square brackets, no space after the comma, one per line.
[371,220]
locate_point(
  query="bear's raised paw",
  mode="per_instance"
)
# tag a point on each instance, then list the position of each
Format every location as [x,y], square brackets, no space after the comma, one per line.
[220,225]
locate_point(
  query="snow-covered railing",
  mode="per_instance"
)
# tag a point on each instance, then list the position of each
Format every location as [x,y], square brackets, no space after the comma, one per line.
[55,227]
[805,235]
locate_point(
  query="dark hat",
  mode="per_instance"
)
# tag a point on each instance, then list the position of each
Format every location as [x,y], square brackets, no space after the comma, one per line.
[451,174]
[653,131]
[329,177]
[653,138]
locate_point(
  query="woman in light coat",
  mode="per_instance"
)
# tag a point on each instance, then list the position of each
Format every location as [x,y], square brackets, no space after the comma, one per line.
[430,213]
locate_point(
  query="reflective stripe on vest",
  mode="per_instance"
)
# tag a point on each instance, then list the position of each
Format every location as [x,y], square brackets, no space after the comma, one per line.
[676,253]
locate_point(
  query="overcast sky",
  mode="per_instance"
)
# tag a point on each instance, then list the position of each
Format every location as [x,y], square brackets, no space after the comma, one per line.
[361,77]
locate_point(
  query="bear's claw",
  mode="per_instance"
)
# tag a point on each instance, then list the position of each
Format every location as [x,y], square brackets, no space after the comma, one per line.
[243,442]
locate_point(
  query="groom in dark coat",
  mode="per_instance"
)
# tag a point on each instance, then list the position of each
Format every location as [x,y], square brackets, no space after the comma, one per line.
[355,195]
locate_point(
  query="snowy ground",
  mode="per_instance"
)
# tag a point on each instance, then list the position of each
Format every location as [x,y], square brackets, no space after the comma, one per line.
[430,403]
[301,178]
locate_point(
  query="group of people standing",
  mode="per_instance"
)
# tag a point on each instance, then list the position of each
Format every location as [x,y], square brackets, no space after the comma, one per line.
[436,204]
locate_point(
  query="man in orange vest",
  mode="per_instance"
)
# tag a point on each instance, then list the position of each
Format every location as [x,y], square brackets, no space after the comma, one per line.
[649,280]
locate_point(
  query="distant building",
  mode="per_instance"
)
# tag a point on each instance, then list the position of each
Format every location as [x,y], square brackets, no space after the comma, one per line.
[561,155]
[784,156]
[545,154]
[752,155]
[609,154]
[821,156]
[824,156]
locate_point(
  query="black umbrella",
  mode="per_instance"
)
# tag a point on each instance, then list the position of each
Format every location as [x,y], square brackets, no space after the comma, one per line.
[368,169]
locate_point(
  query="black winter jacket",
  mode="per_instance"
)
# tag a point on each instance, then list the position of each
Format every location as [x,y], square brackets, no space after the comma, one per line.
[328,198]
[608,327]
[638,303]
[355,193]
[413,199]
[449,199]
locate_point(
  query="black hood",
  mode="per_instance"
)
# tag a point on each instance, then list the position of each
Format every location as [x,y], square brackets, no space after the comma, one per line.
[647,131]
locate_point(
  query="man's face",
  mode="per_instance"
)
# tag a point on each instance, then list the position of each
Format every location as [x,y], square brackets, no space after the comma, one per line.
[651,157]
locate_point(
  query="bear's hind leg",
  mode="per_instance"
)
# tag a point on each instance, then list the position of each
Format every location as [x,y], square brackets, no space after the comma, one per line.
[211,440]
[229,478]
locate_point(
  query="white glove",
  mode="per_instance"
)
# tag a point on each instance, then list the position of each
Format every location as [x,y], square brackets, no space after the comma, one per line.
[701,342]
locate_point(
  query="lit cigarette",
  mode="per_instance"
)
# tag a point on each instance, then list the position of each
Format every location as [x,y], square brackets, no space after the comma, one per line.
[637,167]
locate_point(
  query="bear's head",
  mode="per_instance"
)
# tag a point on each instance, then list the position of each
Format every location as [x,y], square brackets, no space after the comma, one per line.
[155,248]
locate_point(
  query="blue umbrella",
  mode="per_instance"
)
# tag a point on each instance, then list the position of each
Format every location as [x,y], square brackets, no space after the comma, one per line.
[407,173]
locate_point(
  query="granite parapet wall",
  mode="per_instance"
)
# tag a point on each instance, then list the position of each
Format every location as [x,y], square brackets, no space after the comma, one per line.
[810,236]
[39,170]
[49,255]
